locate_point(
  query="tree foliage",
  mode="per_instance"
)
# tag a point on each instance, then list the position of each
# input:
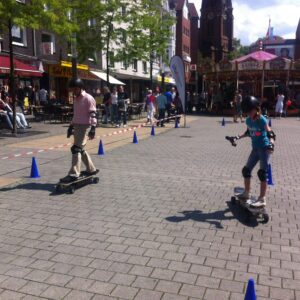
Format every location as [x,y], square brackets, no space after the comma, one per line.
[239,49]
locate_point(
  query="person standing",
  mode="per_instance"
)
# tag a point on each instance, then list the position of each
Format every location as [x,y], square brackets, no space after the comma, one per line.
[43,96]
[161,102]
[170,100]
[107,103]
[83,126]
[123,101]
[21,97]
[238,106]
[114,107]
[279,105]
[178,108]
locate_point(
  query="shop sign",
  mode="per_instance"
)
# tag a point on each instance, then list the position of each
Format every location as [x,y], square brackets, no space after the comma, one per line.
[277,64]
[250,65]
[66,72]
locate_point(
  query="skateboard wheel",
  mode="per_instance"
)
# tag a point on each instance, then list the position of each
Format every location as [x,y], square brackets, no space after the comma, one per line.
[266,218]
[233,200]
[96,180]
[72,190]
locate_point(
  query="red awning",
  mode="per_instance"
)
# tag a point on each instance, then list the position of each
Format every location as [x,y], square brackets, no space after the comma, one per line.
[21,68]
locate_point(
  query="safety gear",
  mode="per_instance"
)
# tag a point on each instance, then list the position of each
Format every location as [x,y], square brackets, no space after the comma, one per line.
[271,135]
[271,147]
[249,103]
[70,131]
[246,172]
[92,133]
[232,139]
[262,175]
[75,149]
[260,203]
[76,82]
[93,114]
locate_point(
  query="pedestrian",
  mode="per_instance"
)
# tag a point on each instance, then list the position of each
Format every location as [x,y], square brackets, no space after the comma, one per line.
[178,108]
[279,105]
[237,103]
[161,103]
[263,139]
[150,102]
[43,96]
[123,101]
[107,104]
[20,97]
[170,99]
[114,107]
[83,126]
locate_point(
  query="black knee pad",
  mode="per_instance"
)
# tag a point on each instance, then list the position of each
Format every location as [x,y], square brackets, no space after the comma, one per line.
[262,175]
[246,172]
[75,149]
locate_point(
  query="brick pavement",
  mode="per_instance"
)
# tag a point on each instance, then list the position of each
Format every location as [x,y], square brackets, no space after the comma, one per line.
[128,238]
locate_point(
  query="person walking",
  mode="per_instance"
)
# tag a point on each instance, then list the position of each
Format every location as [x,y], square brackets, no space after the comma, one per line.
[237,102]
[150,102]
[83,126]
[178,108]
[114,107]
[107,104]
[279,105]
[161,103]
[123,101]
[170,99]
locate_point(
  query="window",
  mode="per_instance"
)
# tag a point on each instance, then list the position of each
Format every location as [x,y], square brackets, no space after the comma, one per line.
[145,67]
[123,10]
[48,44]
[91,22]
[19,36]
[124,37]
[21,1]
[135,65]
[111,59]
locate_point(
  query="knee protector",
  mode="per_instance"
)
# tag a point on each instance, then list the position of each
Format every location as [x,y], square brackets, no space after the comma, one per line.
[75,149]
[246,172]
[262,175]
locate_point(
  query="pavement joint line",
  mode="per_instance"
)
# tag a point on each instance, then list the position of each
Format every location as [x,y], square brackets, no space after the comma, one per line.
[68,144]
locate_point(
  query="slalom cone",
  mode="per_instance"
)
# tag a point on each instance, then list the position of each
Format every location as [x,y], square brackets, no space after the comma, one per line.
[176,123]
[153,131]
[270,177]
[250,293]
[34,169]
[223,122]
[135,139]
[270,123]
[101,149]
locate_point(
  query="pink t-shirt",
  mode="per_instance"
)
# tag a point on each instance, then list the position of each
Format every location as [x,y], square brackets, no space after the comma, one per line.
[83,106]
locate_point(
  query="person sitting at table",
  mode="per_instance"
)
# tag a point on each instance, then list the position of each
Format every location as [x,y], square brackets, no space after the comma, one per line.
[20,118]
[4,116]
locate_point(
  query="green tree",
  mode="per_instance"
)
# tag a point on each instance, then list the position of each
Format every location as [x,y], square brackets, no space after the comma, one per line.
[35,14]
[238,49]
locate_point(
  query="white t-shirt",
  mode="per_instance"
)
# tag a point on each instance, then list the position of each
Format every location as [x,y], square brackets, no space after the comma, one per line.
[114,98]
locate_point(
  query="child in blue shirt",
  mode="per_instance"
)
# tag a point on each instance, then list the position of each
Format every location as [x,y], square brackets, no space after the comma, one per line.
[262,147]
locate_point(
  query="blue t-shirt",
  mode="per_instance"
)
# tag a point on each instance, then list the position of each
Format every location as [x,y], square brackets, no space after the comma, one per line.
[169,97]
[258,132]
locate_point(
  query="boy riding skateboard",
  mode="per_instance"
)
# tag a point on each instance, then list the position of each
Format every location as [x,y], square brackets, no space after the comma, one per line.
[83,126]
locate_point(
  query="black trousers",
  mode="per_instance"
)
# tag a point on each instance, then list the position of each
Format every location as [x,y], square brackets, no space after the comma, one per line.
[161,116]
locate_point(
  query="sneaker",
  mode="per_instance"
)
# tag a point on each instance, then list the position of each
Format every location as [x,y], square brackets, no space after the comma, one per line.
[260,202]
[68,179]
[244,196]
[93,173]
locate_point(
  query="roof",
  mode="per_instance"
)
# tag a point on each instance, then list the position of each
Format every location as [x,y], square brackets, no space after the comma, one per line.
[258,56]
[193,11]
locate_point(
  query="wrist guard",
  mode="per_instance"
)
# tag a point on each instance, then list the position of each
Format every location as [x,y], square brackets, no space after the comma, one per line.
[271,135]
[92,132]
[70,131]
[271,147]
[232,140]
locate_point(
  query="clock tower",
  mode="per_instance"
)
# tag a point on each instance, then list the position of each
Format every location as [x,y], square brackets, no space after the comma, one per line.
[216,29]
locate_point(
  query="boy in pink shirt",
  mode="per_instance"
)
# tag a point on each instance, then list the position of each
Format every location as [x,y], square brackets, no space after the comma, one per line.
[83,126]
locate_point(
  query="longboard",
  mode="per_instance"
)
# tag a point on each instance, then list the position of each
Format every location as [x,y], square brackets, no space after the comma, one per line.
[82,180]
[257,212]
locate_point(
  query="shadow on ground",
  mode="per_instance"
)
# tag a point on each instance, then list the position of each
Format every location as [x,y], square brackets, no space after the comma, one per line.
[31,186]
[213,218]
[8,134]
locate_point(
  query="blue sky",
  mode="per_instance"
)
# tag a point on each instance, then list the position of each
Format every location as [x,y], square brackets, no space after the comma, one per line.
[252,18]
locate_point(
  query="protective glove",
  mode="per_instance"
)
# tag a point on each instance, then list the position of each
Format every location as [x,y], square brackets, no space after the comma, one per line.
[70,131]
[232,140]
[92,133]
[271,147]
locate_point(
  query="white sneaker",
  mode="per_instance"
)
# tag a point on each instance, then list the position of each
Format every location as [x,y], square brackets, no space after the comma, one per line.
[244,196]
[260,202]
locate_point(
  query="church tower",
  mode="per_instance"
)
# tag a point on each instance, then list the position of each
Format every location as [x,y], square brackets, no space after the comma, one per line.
[216,29]
[297,45]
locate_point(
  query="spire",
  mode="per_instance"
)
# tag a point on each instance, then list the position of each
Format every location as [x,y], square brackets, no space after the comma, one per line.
[269,30]
[298,31]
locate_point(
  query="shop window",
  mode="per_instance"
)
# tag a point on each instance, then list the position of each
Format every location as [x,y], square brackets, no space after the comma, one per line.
[145,67]
[19,36]
[135,65]
[48,44]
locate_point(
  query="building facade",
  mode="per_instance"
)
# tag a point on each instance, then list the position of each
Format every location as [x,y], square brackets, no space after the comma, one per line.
[216,29]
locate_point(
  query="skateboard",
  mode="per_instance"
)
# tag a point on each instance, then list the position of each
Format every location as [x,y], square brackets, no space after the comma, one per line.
[259,213]
[82,180]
